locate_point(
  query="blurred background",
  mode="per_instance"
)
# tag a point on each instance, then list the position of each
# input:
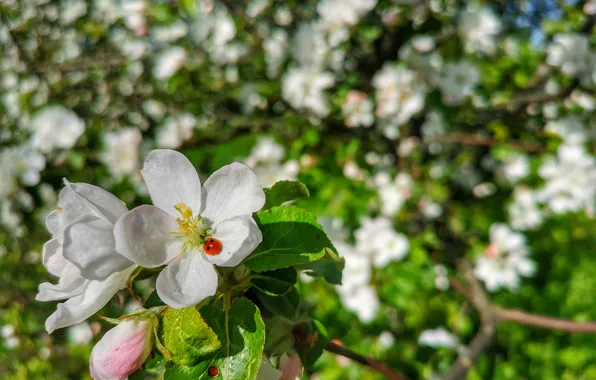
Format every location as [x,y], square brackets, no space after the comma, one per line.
[426,131]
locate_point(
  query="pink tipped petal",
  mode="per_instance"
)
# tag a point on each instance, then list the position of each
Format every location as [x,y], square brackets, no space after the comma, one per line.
[144,236]
[90,245]
[52,257]
[290,366]
[122,350]
[233,190]
[172,179]
[186,281]
[239,236]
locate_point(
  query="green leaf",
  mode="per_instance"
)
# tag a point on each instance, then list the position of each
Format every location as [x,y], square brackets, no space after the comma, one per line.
[291,236]
[329,267]
[285,305]
[284,191]
[187,336]
[153,301]
[242,332]
[277,282]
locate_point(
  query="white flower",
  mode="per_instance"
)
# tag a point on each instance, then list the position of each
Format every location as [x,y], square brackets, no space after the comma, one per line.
[175,130]
[570,52]
[265,151]
[523,212]
[441,279]
[357,270]
[429,208]
[358,110]
[168,62]
[570,129]
[505,260]
[516,167]
[174,231]
[570,180]
[352,171]
[55,127]
[393,194]
[26,163]
[121,152]
[269,174]
[363,301]
[72,10]
[336,17]
[437,338]
[378,239]
[478,28]
[82,253]
[386,340]
[458,82]
[310,47]
[7,331]
[81,333]
[275,47]
[122,350]
[400,94]
[250,99]
[305,89]
[171,32]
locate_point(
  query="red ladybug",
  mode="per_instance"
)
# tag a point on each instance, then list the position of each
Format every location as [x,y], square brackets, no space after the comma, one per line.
[213,371]
[212,247]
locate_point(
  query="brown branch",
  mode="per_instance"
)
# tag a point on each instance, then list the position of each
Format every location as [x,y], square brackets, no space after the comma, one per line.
[369,362]
[97,62]
[492,316]
[470,354]
[545,322]
[471,139]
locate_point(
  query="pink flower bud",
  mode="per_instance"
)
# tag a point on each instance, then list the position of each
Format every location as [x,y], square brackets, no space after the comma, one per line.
[122,350]
[290,366]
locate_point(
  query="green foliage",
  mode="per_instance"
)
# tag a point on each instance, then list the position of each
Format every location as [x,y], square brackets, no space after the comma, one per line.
[242,333]
[275,283]
[284,191]
[291,236]
[187,336]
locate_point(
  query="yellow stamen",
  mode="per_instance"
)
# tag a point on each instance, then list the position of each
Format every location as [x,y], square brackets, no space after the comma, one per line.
[192,228]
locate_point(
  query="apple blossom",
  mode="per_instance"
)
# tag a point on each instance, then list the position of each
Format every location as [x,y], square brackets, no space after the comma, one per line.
[183,218]
[122,350]
[505,260]
[82,253]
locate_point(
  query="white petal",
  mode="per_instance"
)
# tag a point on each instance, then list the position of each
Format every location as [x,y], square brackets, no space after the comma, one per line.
[95,296]
[90,245]
[186,281]
[52,257]
[231,191]
[78,200]
[108,204]
[239,236]
[71,283]
[143,235]
[172,179]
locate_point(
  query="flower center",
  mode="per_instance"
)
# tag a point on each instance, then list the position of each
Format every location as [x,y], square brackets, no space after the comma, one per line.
[194,229]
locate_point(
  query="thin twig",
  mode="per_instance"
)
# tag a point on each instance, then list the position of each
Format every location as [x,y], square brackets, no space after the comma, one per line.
[545,322]
[469,355]
[492,316]
[372,363]
[471,139]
